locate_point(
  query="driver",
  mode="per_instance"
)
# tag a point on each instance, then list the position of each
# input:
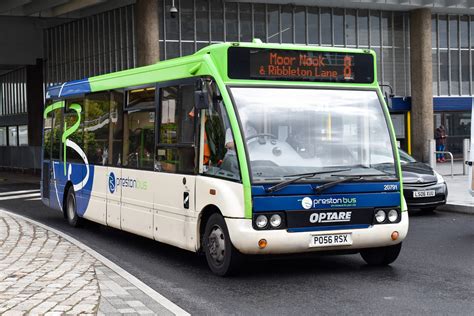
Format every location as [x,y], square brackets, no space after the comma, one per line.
[229,140]
[230,158]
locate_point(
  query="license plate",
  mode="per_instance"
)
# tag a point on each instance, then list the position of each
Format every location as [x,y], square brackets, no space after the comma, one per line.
[421,194]
[331,240]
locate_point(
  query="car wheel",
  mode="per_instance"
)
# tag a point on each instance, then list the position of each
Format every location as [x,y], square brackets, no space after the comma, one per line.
[222,257]
[381,256]
[71,208]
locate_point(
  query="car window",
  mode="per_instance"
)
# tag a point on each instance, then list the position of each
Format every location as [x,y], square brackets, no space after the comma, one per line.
[404,157]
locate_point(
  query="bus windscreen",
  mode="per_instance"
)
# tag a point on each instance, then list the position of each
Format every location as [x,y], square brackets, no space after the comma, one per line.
[299,65]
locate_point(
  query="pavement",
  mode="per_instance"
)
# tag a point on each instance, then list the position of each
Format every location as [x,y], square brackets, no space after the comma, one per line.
[43,271]
[459,198]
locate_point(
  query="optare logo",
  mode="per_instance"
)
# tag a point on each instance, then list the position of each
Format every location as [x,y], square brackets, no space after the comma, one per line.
[330,217]
[307,203]
[112,182]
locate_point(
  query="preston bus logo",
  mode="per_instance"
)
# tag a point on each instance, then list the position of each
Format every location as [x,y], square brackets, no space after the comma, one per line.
[307,203]
[111,182]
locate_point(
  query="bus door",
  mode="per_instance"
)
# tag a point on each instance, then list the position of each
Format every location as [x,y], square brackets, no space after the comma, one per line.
[137,179]
[114,157]
[174,184]
[46,170]
[55,164]
[114,196]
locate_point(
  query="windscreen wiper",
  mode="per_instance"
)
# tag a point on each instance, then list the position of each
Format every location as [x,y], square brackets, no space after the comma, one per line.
[348,178]
[300,176]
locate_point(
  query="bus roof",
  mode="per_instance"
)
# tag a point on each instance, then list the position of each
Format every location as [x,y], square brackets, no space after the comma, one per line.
[211,60]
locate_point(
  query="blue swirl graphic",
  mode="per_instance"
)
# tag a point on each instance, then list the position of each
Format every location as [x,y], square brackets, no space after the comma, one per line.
[111,182]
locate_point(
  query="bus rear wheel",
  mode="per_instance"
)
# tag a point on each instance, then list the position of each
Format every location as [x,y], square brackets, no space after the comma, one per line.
[222,257]
[71,208]
[381,256]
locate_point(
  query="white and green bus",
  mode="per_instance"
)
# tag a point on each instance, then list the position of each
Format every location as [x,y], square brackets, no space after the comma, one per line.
[241,148]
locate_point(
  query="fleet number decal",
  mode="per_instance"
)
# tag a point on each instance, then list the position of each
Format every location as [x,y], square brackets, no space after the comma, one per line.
[390,187]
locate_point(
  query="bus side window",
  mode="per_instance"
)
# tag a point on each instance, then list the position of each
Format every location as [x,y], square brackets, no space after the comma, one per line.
[175,151]
[139,129]
[116,129]
[57,130]
[96,127]
[218,159]
[70,118]
[47,143]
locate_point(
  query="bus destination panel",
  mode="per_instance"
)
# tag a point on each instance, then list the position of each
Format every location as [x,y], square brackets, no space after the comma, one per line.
[299,65]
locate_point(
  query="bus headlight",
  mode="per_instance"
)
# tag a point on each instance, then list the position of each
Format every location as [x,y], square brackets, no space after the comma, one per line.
[275,220]
[392,215]
[261,221]
[380,216]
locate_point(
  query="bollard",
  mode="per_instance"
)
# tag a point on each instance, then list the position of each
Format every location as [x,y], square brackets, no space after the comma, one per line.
[466,145]
[432,157]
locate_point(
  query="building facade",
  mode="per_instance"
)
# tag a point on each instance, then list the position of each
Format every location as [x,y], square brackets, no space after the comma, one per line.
[101,39]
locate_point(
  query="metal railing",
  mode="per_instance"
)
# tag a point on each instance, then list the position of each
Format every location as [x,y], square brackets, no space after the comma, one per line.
[452,159]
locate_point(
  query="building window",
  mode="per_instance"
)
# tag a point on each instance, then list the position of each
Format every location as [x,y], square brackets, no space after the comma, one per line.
[23,135]
[217,21]
[286,14]
[245,22]
[313,25]
[12,136]
[363,27]
[452,44]
[232,22]
[326,27]
[338,22]
[3,136]
[201,23]
[300,25]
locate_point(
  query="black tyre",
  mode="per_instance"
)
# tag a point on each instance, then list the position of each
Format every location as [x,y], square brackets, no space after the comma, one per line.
[222,257]
[70,210]
[381,256]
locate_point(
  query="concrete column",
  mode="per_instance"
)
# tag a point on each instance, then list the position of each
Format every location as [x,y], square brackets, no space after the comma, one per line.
[421,83]
[147,32]
[34,98]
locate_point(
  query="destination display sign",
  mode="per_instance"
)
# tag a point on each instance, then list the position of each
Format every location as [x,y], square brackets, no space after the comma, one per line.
[299,65]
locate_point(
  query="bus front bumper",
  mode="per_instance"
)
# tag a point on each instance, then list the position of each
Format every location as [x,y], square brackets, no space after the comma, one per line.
[246,239]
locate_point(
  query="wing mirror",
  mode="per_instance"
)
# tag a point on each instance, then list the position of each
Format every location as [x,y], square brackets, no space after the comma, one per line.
[201,97]
[388,99]
[388,95]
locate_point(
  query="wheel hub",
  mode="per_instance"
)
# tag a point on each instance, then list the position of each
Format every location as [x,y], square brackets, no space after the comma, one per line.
[216,244]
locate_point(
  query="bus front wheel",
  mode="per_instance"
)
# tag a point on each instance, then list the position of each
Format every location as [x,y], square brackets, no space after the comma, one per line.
[222,257]
[71,208]
[381,256]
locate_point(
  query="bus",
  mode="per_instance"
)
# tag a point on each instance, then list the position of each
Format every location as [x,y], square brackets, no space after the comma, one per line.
[239,149]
